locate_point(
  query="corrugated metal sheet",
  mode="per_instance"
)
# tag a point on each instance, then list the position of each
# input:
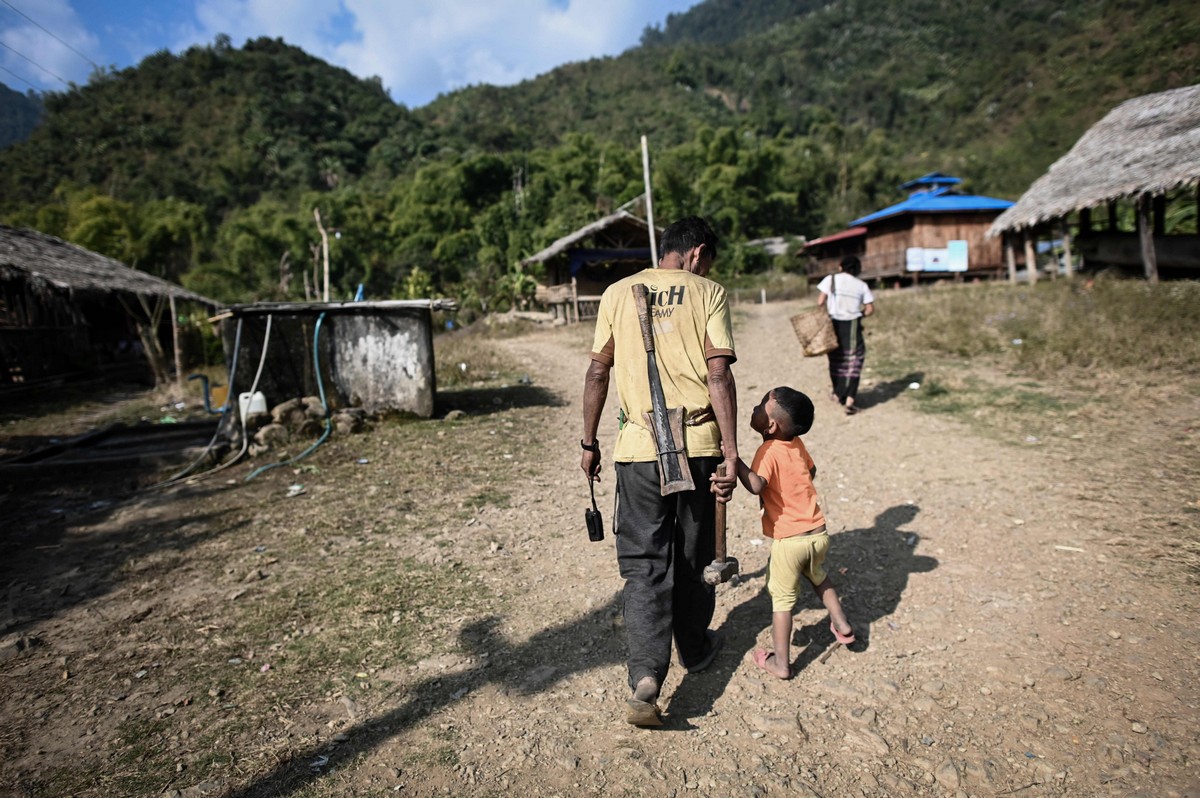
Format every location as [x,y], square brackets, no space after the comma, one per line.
[850,232]
[937,201]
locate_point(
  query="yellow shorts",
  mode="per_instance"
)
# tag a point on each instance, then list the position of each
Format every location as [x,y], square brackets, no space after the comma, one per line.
[790,559]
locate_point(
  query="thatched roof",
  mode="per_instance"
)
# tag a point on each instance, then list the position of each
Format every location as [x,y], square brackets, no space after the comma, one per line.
[1149,144]
[620,218]
[51,262]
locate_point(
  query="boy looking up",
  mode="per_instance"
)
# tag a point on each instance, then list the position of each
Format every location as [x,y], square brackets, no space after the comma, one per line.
[782,477]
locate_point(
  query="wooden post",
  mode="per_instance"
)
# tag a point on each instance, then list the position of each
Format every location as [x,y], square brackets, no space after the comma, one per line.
[1066,239]
[649,203]
[178,348]
[1030,258]
[1112,216]
[575,298]
[1085,221]
[324,250]
[1010,258]
[1146,234]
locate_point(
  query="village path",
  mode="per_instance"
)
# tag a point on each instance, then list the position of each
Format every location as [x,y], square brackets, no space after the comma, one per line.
[1010,643]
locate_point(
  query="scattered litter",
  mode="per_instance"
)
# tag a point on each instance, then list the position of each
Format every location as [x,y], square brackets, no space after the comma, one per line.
[266,667]
[459,693]
[362,461]
[1030,755]
[1017,342]
[295,490]
[167,420]
[525,380]
[235,661]
[462,367]
[914,386]
[180,405]
[140,674]
[910,539]
[1069,548]
[1018,522]
[756,542]
[1031,439]
[260,549]
[319,762]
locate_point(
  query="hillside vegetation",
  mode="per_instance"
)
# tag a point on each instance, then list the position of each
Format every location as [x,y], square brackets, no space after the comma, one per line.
[768,117]
[19,115]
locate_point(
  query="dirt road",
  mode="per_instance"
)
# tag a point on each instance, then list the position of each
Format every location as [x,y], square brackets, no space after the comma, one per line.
[1010,643]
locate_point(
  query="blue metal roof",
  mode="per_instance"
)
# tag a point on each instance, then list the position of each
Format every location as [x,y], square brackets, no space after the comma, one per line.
[932,179]
[939,200]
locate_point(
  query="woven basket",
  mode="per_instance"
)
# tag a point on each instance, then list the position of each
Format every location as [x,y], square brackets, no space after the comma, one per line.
[815,331]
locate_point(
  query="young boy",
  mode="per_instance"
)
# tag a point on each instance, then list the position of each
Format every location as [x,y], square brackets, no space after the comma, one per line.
[782,477]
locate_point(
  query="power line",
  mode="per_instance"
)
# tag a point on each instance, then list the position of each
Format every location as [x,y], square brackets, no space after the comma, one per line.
[56,38]
[18,77]
[36,64]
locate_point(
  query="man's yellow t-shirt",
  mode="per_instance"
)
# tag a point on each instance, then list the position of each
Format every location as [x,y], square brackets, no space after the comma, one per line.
[691,325]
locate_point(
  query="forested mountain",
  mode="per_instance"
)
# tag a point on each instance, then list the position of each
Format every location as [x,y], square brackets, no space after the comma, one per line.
[770,117]
[19,115]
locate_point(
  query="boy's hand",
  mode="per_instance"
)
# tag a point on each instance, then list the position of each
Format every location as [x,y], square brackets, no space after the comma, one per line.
[723,485]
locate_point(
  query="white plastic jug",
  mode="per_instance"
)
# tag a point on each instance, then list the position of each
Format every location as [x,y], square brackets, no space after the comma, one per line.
[251,403]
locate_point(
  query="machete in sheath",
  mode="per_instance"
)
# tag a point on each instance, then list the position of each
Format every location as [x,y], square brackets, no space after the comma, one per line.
[665,423]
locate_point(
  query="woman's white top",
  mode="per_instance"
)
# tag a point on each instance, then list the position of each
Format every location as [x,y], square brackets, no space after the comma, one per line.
[846,297]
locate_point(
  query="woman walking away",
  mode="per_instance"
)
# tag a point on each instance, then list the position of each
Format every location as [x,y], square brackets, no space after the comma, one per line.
[847,299]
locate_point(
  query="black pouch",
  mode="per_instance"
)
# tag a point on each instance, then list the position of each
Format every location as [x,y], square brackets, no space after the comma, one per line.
[595,524]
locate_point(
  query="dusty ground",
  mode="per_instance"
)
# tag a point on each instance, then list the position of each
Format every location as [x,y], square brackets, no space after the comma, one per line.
[1027,615]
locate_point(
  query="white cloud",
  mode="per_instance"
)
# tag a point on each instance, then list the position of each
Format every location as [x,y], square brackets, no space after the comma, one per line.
[419,48]
[423,47]
[55,58]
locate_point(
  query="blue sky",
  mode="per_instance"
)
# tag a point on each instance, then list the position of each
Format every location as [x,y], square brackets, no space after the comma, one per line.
[419,48]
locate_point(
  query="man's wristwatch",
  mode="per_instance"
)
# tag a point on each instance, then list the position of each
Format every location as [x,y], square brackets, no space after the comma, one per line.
[594,446]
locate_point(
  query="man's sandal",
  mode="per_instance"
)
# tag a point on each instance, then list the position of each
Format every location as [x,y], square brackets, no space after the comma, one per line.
[642,713]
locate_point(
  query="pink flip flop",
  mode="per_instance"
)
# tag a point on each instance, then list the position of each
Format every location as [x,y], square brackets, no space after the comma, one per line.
[845,640]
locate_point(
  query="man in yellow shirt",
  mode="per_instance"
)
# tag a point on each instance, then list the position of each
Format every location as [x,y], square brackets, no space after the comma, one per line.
[665,542]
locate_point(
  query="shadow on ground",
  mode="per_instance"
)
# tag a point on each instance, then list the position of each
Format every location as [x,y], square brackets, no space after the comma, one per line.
[887,391]
[877,562]
[481,401]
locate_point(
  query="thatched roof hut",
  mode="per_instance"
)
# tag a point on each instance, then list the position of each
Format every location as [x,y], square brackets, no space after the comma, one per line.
[580,265]
[1142,149]
[1147,145]
[49,263]
[67,310]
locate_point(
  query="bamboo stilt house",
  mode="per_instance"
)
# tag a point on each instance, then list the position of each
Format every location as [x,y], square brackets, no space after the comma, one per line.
[66,310]
[580,265]
[1141,151]
[936,232]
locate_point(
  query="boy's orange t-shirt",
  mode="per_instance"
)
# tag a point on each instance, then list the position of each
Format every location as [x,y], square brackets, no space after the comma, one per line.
[789,501]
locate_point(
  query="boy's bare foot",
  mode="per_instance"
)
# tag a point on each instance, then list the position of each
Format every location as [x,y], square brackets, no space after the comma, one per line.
[771,664]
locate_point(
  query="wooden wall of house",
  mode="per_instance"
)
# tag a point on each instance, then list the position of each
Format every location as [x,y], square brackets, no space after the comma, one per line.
[827,258]
[936,230]
[887,246]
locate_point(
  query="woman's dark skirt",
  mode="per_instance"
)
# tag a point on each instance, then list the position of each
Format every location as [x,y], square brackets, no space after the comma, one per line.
[846,362]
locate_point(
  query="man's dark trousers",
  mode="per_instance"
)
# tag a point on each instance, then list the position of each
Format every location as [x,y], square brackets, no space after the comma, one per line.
[663,546]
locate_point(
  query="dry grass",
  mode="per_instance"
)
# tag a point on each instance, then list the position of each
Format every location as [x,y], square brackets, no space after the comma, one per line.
[1109,325]
[1104,375]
